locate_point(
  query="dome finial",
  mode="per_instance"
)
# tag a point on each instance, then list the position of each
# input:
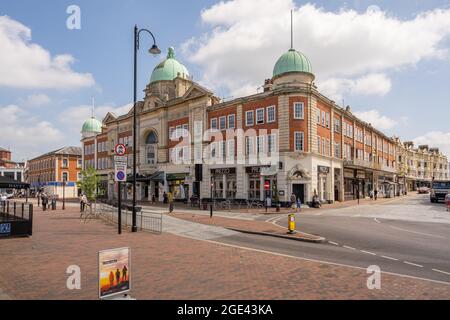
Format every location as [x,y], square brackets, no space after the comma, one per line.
[171,53]
[292,32]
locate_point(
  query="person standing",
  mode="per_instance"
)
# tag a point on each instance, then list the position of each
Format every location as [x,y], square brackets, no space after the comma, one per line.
[293,201]
[164,197]
[81,203]
[111,279]
[44,200]
[376,193]
[170,199]
[124,273]
[118,276]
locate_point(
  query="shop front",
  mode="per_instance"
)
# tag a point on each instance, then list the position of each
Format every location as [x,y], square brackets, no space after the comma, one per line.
[256,177]
[177,184]
[386,187]
[323,182]
[357,184]
[224,183]
[349,184]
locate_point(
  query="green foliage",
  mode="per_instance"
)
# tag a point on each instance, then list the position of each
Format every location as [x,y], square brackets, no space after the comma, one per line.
[90,184]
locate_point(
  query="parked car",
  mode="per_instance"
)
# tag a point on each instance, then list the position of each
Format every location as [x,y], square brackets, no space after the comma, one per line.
[447,201]
[9,195]
[424,190]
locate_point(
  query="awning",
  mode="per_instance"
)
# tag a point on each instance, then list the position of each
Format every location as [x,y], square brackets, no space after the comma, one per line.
[8,183]
[157,177]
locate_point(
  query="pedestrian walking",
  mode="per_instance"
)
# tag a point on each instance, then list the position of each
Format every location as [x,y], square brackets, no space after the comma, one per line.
[299,204]
[170,200]
[164,197]
[376,193]
[81,204]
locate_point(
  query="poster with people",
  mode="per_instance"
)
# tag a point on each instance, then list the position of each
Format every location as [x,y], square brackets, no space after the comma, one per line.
[114,272]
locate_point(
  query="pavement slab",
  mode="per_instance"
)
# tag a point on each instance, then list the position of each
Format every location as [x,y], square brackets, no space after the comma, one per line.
[168,266]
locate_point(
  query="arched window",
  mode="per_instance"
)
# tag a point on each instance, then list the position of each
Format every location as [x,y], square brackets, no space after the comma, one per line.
[150,147]
[151,138]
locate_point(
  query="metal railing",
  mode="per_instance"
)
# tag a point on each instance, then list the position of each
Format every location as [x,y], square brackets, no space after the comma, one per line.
[146,220]
[16,218]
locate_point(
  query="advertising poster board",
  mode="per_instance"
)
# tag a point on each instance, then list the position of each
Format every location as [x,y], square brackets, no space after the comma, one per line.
[114,272]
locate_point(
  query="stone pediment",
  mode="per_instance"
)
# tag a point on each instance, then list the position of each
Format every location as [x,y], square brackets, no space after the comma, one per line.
[110,116]
[196,91]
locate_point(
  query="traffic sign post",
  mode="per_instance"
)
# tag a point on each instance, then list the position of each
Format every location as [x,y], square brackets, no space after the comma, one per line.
[266,188]
[120,175]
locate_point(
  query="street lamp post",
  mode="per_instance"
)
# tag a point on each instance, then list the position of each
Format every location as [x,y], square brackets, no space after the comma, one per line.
[153,50]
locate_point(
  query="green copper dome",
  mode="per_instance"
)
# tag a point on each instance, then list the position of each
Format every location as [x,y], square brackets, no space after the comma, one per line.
[292,61]
[92,126]
[169,69]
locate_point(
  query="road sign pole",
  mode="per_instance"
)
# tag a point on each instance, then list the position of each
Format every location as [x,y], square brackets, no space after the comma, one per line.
[119,210]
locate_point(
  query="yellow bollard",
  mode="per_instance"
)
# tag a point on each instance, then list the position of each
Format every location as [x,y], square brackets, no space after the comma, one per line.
[291,223]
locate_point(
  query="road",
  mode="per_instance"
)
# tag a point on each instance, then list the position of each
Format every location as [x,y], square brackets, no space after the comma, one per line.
[379,235]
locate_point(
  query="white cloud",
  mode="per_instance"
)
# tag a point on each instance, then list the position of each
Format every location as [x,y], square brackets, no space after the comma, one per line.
[35,100]
[27,135]
[349,51]
[27,65]
[376,119]
[435,139]
[74,117]
[371,84]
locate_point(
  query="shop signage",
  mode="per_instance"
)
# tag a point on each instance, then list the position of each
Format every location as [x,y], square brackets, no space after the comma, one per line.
[269,171]
[323,169]
[114,272]
[176,176]
[223,171]
[254,169]
[348,174]
[360,174]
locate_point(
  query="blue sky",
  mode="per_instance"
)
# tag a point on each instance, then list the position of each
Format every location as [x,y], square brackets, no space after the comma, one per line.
[405,96]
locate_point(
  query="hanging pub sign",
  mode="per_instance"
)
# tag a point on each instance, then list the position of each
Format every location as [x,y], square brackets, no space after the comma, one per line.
[223,171]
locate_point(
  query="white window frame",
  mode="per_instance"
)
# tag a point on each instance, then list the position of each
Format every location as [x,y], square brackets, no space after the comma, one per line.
[231,124]
[327,120]
[301,106]
[323,118]
[249,146]
[271,109]
[301,135]
[224,119]
[247,123]
[271,143]
[185,130]
[230,148]
[260,147]
[260,111]
[213,120]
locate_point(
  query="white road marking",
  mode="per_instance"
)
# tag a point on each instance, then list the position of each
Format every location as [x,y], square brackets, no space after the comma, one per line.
[351,248]
[413,264]
[356,216]
[444,272]
[327,262]
[376,220]
[368,252]
[425,234]
[390,258]
[335,243]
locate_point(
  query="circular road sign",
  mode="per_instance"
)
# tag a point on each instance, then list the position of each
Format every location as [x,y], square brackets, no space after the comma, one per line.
[120,149]
[267,185]
[120,175]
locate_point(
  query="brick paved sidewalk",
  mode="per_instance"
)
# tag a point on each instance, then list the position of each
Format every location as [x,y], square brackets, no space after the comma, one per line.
[248,225]
[171,267]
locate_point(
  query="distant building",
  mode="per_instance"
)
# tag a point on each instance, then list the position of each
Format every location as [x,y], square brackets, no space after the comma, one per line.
[419,166]
[48,172]
[10,169]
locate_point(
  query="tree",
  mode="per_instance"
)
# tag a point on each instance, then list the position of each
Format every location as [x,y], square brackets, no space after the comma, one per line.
[90,185]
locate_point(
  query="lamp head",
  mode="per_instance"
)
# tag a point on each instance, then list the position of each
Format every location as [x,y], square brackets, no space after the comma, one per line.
[154,50]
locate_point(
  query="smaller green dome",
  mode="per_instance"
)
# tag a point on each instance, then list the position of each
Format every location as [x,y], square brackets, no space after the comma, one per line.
[292,61]
[169,69]
[92,126]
